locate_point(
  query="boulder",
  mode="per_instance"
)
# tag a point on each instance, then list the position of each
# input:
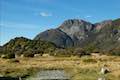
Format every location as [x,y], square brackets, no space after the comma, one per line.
[104,70]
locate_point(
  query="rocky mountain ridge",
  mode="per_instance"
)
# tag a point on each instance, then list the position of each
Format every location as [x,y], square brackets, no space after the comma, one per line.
[82,33]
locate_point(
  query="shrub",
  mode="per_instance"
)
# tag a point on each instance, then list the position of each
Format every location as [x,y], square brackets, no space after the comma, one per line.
[28,54]
[90,48]
[9,56]
[115,52]
[61,52]
[79,52]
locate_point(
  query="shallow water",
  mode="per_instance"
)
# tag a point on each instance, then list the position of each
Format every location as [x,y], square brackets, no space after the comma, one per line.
[50,75]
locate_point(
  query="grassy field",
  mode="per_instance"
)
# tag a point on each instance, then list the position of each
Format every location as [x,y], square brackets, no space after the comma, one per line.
[84,68]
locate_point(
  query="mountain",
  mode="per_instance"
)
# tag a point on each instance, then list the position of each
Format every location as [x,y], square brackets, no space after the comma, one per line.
[78,30]
[104,35]
[108,36]
[56,36]
[71,33]
[102,24]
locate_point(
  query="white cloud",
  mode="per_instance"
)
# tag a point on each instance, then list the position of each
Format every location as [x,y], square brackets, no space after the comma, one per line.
[45,14]
[88,16]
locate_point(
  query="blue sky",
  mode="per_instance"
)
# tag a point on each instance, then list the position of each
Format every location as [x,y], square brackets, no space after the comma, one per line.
[29,17]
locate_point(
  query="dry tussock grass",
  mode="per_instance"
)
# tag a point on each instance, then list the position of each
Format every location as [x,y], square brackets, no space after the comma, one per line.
[78,68]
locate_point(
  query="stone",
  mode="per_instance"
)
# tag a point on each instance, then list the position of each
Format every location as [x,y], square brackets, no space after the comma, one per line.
[22,56]
[104,70]
[17,56]
[45,55]
[3,56]
[119,39]
[101,78]
[37,55]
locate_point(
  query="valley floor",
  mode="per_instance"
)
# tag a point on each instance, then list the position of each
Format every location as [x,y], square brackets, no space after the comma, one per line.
[84,68]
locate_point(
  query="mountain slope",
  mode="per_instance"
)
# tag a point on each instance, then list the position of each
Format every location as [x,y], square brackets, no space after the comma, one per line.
[56,36]
[108,37]
[104,35]
[78,30]
[70,33]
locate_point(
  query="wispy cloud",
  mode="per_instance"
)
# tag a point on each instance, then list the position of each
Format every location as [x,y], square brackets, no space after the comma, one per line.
[88,16]
[45,14]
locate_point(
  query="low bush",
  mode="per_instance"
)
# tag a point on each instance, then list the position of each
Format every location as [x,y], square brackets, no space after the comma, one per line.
[28,55]
[9,56]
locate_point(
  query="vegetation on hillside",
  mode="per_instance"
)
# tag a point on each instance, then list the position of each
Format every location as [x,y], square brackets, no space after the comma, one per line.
[27,47]
[21,46]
